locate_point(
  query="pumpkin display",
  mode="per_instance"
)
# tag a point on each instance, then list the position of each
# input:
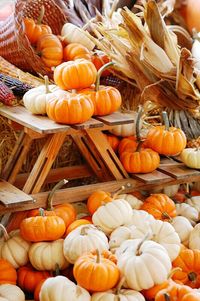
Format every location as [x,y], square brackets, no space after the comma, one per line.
[35,99]
[102,273]
[61,288]
[76,224]
[177,292]
[126,130]
[144,264]
[194,202]
[97,199]
[183,227]
[48,255]
[140,218]
[84,239]
[69,108]
[78,74]
[9,292]
[74,51]
[14,248]
[194,238]
[99,59]
[160,206]
[73,34]
[128,144]
[50,49]
[191,157]
[112,215]
[8,274]
[42,228]
[131,199]
[188,261]
[106,99]
[34,30]
[113,141]
[106,254]
[166,140]
[187,211]
[28,278]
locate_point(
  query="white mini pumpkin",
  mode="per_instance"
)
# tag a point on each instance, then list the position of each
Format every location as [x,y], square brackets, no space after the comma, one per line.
[139,218]
[183,227]
[48,255]
[61,288]
[194,238]
[9,292]
[143,263]
[170,191]
[82,240]
[73,34]
[131,199]
[188,211]
[126,130]
[194,202]
[14,248]
[35,99]
[118,236]
[191,157]
[112,215]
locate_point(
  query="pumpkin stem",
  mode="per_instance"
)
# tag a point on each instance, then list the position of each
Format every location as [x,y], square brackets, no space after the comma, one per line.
[84,230]
[192,276]
[120,284]
[138,252]
[46,82]
[165,215]
[118,192]
[5,233]
[137,127]
[41,212]
[165,120]
[51,194]
[100,71]
[173,271]
[98,260]
[57,270]
[167,297]
[41,15]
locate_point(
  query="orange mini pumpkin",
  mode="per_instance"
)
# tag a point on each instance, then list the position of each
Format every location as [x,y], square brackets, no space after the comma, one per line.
[106,99]
[166,140]
[28,278]
[76,224]
[76,51]
[177,292]
[42,228]
[128,144]
[102,273]
[113,141]
[106,254]
[38,289]
[50,49]
[8,274]
[100,59]
[69,108]
[97,199]
[78,74]
[189,261]
[34,30]
[160,206]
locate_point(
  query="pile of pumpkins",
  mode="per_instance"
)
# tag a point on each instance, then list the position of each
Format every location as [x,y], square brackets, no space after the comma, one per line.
[77,94]
[113,247]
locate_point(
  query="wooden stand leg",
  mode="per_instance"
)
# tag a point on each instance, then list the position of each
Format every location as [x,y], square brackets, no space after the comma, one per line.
[44,162]
[17,158]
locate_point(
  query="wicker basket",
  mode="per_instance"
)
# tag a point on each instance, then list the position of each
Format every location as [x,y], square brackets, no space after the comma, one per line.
[15,46]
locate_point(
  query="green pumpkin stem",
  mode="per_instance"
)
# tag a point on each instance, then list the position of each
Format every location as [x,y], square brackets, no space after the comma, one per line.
[165,215]
[51,194]
[57,270]
[167,297]
[41,15]
[137,127]
[192,276]
[5,233]
[165,120]
[173,271]
[98,260]
[138,252]
[118,192]
[100,71]
[41,212]
[46,82]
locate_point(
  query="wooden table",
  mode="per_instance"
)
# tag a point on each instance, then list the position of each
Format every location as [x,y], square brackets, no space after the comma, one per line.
[94,147]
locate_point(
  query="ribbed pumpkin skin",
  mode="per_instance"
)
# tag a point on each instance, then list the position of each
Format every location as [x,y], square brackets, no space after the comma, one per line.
[189,261]
[78,74]
[75,51]
[41,228]
[97,199]
[166,142]
[28,278]
[99,59]
[128,145]
[106,100]
[113,141]
[8,274]
[70,109]
[50,49]
[177,292]
[94,276]
[35,31]
[143,161]
[159,204]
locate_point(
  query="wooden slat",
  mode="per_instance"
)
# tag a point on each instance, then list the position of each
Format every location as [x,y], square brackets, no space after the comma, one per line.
[117,118]
[169,162]
[178,171]
[153,177]
[40,124]
[92,123]
[12,196]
